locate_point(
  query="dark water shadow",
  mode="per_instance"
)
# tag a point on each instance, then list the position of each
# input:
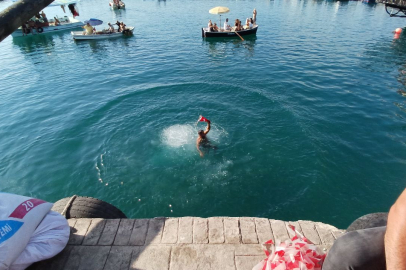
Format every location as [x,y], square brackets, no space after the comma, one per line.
[32,43]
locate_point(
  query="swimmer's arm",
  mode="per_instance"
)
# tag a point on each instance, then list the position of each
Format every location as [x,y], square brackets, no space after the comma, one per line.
[197,146]
[208,128]
[395,236]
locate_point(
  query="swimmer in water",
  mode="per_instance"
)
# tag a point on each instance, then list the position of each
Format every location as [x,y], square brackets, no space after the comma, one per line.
[202,139]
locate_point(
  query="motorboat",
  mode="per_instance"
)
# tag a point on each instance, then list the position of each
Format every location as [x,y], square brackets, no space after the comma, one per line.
[206,33]
[117,5]
[65,23]
[41,24]
[104,34]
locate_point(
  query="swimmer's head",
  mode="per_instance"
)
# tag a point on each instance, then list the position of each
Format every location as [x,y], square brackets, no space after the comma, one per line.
[201,133]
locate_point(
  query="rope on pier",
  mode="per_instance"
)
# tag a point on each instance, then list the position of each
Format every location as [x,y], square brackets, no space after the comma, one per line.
[69,204]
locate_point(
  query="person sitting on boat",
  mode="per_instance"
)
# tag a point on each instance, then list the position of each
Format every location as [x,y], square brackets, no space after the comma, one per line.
[118,26]
[209,26]
[122,27]
[238,26]
[57,22]
[226,25]
[24,29]
[32,26]
[28,28]
[44,17]
[215,27]
[251,23]
[247,24]
[88,29]
[111,28]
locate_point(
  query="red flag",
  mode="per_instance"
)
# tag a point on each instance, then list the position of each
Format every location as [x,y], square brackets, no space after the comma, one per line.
[202,119]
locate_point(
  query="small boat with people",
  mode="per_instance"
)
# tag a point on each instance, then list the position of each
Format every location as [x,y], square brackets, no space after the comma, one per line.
[229,33]
[41,24]
[116,4]
[90,32]
[238,30]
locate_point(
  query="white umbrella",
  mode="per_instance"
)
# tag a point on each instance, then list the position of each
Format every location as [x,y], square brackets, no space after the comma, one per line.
[219,11]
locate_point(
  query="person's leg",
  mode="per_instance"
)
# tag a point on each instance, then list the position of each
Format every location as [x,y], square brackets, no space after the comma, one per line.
[358,250]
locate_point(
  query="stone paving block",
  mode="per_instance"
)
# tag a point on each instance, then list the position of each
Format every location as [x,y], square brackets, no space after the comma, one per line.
[338,233]
[109,232]
[248,232]
[87,258]
[94,232]
[325,234]
[200,231]
[71,223]
[309,231]
[79,231]
[279,230]
[247,262]
[248,250]
[216,230]
[170,233]
[56,262]
[207,257]
[185,230]
[119,258]
[124,232]
[155,229]
[153,257]
[139,232]
[231,230]
[264,230]
[297,227]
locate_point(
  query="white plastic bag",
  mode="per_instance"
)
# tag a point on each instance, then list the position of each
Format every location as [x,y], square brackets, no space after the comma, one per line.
[50,238]
[19,217]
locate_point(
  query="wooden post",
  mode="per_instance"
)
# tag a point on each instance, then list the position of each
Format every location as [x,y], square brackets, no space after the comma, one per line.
[15,15]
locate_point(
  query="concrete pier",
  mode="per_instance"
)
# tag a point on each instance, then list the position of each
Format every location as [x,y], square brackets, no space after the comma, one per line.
[177,243]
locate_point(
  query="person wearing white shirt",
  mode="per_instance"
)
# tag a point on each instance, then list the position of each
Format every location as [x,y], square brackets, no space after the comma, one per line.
[226,25]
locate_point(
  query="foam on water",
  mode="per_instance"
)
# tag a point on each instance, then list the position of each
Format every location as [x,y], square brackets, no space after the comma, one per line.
[178,135]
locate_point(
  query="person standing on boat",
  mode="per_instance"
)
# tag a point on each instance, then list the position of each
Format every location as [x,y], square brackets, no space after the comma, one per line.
[254,16]
[118,24]
[226,25]
[202,139]
[111,28]
[88,28]
[44,17]
[209,26]
[57,22]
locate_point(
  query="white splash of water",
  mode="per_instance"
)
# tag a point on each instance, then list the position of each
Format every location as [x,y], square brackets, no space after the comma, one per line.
[185,135]
[179,135]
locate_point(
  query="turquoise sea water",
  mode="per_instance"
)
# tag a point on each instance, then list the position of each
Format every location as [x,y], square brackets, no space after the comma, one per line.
[307,116]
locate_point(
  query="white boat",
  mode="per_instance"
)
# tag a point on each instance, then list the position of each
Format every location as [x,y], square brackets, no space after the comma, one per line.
[66,23]
[80,35]
[120,5]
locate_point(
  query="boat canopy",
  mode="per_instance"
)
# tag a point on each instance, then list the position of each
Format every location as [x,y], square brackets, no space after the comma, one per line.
[63,2]
[59,2]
